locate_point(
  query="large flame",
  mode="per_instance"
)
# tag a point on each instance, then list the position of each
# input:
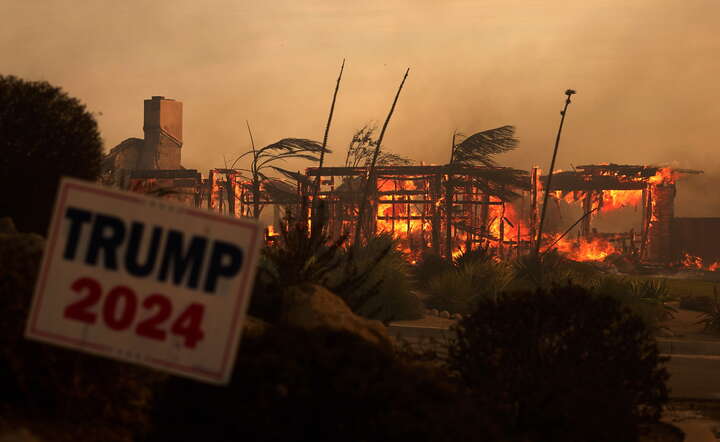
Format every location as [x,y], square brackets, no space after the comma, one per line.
[616,199]
[407,216]
[595,249]
[664,175]
[390,217]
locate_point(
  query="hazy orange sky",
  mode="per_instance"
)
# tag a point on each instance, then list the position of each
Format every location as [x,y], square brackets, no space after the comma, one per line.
[645,71]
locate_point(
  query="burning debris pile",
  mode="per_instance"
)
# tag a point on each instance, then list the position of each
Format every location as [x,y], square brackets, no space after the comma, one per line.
[450,210]
[443,209]
[600,189]
[467,204]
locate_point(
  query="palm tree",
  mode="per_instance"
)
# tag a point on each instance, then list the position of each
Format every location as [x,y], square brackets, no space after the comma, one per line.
[264,158]
[362,148]
[478,150]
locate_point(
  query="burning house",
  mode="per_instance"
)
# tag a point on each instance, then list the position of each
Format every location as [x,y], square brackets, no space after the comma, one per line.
[453,209]
[604,188]
[444,209]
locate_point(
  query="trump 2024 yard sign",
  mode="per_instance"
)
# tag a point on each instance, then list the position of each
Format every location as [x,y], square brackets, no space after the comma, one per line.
[146,281]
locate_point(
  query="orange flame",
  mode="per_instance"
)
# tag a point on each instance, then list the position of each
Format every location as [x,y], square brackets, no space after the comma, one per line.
[595,249]
[615,199]
[691,261]
[695,262]
[664,175]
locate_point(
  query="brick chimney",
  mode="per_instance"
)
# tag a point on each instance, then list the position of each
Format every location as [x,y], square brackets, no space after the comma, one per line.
[663,212]
[163,134]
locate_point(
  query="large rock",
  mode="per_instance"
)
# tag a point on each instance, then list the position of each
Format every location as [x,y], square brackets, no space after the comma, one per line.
[311,306]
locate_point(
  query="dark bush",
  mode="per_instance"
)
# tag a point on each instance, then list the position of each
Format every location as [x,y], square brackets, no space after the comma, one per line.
[646,298]
[459,289]
[697,303]
[563,364]
[388,278]
[296,385]
[429,266]
[51,381]
[710,319]
[44,134]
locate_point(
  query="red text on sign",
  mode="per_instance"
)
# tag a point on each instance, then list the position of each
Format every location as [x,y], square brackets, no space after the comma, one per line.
[120,307]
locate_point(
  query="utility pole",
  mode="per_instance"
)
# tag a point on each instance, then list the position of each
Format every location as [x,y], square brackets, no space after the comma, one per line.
[538,241]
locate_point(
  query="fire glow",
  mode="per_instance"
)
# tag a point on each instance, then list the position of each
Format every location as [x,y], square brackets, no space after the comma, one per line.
[595,249]
[695,262]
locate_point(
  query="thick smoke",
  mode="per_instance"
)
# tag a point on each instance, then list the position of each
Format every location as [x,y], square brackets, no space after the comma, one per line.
[645,72]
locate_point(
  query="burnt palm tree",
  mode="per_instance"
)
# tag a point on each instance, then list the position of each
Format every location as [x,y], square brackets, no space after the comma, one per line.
[480,149]
[362,148]
[264,159]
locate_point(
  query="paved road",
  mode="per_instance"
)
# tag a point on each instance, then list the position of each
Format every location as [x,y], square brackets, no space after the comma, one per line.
[694,376]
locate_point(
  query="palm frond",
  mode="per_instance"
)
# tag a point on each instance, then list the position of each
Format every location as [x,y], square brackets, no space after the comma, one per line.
[480,147]
[293,175]
[281,192]
[294,145]
[391,159]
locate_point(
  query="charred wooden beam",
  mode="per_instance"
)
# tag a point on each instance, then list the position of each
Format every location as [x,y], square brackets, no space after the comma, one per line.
[455,202]
[400,172]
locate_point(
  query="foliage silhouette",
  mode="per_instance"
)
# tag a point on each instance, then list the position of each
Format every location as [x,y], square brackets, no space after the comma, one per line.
[48,381]
[45,134]
[564,363]
[304,255]
[321,385]
[265,158]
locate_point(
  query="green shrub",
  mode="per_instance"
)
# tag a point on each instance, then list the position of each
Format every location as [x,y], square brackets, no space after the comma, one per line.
[304,255]
[563,364]
[321,385]
[459,289]
[551,269]
[393,298]
[477,255]
[711,318]
[428,267]
[374,280]
[646,298]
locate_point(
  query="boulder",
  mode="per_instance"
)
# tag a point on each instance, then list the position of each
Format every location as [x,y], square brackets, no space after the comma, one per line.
[312,306]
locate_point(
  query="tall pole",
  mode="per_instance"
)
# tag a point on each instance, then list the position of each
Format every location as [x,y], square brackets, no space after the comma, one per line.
[371,173]
[316,188]
[538,242]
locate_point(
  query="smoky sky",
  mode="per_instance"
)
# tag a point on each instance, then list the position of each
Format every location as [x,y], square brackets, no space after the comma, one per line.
[646,74]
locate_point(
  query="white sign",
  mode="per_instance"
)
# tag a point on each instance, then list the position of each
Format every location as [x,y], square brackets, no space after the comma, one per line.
[146,281]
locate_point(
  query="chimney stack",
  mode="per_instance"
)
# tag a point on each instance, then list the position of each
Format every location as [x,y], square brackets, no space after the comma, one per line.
[163,134]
